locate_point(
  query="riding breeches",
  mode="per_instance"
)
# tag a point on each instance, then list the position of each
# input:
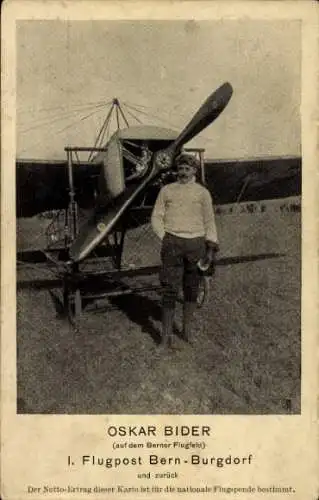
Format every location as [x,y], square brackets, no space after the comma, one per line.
[179,269]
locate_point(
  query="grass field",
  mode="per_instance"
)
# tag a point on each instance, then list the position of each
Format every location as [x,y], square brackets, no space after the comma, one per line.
[246,356]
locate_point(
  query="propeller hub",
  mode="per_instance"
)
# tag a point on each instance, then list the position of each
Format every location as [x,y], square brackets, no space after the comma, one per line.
[164,159]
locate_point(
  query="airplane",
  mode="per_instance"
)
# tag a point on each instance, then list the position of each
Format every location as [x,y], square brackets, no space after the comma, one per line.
[118,187]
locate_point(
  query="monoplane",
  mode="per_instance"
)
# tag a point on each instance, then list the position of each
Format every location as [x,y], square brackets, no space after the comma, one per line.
[116,189]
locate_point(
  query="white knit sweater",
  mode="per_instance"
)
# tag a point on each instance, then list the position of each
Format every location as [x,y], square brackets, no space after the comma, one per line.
[185,210]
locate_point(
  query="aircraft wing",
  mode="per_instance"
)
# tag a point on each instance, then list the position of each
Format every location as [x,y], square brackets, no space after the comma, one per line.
[42,185]
[231,181]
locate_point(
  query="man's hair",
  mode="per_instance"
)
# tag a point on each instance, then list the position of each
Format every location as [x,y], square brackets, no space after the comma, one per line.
[185,158]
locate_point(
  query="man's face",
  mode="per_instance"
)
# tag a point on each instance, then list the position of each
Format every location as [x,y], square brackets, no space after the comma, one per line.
[185,173]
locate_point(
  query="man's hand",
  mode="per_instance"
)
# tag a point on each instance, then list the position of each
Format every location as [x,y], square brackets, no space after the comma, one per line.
[212,249]
[210,257]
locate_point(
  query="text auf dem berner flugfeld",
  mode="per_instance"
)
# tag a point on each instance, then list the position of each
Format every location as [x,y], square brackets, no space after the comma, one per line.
[154,459]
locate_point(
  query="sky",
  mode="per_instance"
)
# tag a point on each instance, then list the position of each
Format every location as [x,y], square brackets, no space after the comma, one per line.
[67,70]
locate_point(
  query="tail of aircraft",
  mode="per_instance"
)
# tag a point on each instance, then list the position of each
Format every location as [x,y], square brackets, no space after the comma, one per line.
[106,217]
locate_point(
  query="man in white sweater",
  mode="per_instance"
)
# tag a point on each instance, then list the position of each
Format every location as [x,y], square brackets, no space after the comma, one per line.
[183,218]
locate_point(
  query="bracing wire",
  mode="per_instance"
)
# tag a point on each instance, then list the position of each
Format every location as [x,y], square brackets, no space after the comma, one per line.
[70,105]
[150,115]
[62,116]
[105,126]
[133,110]
[132,114]
[102,131]
[77,156]
[106,132]
[80,120]
[105,137]
[136,105]
[161,120]
[117,117]
[150,108]
[77,122]
[123,116]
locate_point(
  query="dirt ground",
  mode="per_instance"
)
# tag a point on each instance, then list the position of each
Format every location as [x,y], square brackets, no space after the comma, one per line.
[246,354]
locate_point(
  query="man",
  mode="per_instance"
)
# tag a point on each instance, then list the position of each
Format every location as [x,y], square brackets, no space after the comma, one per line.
[183,218]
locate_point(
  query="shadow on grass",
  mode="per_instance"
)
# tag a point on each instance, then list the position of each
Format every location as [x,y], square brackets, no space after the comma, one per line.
[58,305]
[138,308]
[141,310]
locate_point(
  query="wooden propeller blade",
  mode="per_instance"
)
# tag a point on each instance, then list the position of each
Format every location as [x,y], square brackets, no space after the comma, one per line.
[207,113]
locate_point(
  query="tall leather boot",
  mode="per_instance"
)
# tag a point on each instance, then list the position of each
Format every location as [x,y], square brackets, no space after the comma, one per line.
[189,309]
[167,326]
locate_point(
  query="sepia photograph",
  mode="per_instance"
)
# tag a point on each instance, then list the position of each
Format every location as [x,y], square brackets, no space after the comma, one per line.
[158,216]
[159,249]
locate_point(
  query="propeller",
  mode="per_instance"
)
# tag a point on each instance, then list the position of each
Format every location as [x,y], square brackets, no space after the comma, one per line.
[106,218]
[207,113]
